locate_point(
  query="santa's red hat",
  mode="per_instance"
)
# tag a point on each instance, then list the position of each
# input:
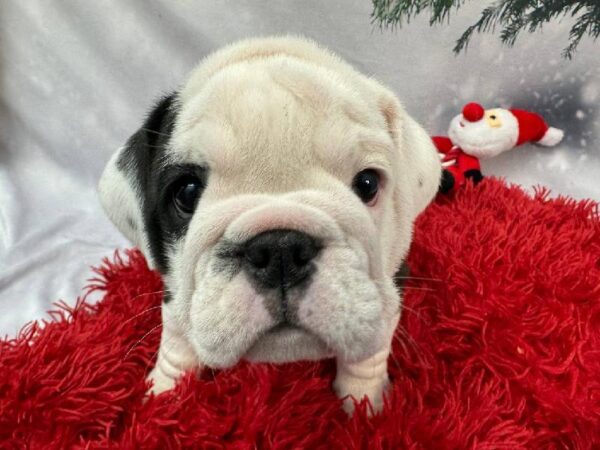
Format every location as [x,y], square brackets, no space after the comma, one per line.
[533,128]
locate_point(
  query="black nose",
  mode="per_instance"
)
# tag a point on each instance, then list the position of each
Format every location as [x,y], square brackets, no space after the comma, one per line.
[280,258]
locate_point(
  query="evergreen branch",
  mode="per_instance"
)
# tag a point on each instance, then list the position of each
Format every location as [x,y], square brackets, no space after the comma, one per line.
[488,18]
[513,16]
[514,19]
[441,10]
[587,23]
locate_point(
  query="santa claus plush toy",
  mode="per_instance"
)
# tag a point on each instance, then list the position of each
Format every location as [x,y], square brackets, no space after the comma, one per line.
[483,133]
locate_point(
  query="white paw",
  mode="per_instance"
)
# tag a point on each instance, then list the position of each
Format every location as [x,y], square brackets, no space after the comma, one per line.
[358,389]
[160,381]
[366,378]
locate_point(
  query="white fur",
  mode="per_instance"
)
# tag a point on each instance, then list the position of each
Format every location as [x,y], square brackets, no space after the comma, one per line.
[284,126]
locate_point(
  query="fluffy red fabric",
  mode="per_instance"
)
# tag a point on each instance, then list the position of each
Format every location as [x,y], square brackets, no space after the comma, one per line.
[499,347]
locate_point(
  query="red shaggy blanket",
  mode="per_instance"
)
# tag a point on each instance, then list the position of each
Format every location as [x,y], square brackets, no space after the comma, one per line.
[499,347]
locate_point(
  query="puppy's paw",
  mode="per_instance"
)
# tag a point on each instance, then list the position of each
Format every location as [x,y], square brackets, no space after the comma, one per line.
[368,377]
[350,390]
[161,382]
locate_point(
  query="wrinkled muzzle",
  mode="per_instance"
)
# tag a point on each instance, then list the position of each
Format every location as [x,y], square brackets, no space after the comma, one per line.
[284,277]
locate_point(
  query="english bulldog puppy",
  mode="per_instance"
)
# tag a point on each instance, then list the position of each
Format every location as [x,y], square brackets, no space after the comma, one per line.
[275,192]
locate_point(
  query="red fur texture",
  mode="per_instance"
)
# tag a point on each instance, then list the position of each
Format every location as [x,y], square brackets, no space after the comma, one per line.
[498,348]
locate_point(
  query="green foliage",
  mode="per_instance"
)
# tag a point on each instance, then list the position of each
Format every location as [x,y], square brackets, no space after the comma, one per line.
[513,16]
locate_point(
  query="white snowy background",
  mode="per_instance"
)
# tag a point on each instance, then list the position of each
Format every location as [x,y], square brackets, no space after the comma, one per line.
[76,79]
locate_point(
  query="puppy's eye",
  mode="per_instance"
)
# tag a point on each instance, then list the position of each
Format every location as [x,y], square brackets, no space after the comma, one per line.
[366,186]
[186,191]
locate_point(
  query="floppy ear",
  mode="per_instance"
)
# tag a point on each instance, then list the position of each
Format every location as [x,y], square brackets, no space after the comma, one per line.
[421,165]
[124,185]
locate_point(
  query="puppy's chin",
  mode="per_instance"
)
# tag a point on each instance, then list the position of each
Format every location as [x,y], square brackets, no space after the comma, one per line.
[286,343]
[280,344]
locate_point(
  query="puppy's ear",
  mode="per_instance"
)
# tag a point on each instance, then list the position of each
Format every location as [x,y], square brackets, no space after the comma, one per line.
[124,186]
[419,158]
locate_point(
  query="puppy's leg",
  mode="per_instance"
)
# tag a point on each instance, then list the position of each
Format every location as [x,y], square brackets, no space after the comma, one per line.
[175,356]
[368,377]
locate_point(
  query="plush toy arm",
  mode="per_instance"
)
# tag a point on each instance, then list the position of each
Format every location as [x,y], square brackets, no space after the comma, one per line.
[467,162]
[442,143]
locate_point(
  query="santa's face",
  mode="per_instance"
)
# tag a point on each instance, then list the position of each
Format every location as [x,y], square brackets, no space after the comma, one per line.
[484,133]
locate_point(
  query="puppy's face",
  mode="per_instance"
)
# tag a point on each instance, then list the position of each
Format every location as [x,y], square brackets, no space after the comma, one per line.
[276,193]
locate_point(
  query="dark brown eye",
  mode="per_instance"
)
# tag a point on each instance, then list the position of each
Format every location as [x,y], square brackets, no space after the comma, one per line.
[493,117]
[366,185]
[186,191]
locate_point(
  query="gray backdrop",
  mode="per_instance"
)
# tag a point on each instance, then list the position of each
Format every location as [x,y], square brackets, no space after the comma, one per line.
[76,79]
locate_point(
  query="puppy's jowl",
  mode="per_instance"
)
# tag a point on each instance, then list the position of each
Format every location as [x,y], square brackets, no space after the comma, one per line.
[275,192]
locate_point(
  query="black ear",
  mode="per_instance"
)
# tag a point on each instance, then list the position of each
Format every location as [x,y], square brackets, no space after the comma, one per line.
[147,145]
[126,191]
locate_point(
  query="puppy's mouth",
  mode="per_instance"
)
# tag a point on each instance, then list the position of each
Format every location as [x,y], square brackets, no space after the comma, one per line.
[287,342]
[283,326]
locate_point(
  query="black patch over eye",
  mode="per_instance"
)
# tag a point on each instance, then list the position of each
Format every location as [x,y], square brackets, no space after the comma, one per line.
[366,184]
[186,191]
